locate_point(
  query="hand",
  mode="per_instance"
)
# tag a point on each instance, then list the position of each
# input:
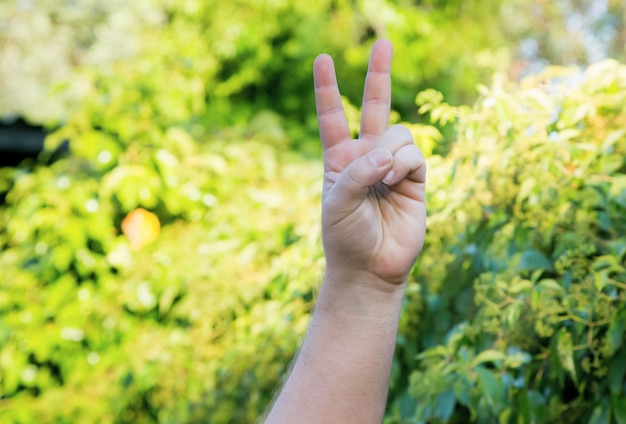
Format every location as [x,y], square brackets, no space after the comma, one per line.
[373,223]
[373,204]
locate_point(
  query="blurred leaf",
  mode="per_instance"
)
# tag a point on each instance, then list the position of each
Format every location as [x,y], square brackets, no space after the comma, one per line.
[615,333]
[444,405]
[617,371]
[488,356]
[618,190]
[532,259]
[566,353]
[601,414]
[492,389]
[618,404]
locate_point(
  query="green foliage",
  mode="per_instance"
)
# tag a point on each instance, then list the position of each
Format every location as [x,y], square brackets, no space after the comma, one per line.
[190,328]
[519,297]
[250,55]
[220,65]
[515,312]
[189,109]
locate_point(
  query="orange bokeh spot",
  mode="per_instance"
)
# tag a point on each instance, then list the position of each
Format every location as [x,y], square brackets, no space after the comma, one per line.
[141,227]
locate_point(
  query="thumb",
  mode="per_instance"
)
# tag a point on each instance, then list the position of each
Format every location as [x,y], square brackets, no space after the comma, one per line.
[354,182]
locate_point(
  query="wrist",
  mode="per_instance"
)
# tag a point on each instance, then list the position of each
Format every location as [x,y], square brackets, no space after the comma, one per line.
[360,293]
[365,279]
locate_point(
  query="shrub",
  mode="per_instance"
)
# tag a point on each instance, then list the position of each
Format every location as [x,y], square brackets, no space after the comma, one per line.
[237,59]
[514,313]
[517,309]
[197,325]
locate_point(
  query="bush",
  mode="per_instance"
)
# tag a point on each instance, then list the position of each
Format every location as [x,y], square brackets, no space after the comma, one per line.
[514,313]
[197,325]
[517,310]
[236,59]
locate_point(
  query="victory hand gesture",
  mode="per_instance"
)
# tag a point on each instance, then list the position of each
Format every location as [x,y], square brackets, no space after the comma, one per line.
[373,224]
[373,205]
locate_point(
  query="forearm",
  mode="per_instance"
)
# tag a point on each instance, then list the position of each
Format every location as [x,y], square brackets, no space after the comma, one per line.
[342,371]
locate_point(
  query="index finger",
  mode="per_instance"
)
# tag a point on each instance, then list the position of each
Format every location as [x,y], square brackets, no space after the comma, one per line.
[331,118]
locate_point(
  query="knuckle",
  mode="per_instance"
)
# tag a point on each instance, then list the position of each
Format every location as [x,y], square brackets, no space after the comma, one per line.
[403,132]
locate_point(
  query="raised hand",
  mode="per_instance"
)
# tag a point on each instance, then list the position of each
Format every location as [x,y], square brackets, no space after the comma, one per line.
[373,223]
[374,213]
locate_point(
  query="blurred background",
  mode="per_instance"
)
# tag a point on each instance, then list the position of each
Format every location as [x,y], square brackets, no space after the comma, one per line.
[238,55]
[159,184]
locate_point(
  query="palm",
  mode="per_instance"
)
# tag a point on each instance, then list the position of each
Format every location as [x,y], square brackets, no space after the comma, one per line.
[384,230]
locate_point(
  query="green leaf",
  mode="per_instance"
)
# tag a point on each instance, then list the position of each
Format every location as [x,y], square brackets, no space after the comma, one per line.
[488,356]
[444,405]
[566,353]
[600,280]
[617,371]
[568,134]
[550,284]
[12,364]
[462,392]
[517,359]
[615,333]
[440,350]
[532,407]
[572,115]
[611,139]
[405,405]
[532,259]
[618,190]
[491,388]
[618,405]
[601,414]
[524,407]
[505,416]
[512,315]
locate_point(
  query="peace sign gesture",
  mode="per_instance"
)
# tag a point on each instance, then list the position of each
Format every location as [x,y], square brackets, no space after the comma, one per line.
[373,224]
[373,206]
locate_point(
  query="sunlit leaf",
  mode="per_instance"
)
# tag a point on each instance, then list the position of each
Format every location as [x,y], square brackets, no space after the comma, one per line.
[488,356]
[566,354]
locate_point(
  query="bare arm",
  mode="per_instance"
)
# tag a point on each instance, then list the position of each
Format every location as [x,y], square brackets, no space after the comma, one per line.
[373,224]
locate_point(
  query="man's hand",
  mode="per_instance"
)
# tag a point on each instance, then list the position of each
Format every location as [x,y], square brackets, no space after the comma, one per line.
[373,223]
[374,214]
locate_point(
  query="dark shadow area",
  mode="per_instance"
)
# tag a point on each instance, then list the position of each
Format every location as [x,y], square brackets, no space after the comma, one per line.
[19,141]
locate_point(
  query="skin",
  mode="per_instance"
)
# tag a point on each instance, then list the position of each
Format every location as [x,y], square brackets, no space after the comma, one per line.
[373,226]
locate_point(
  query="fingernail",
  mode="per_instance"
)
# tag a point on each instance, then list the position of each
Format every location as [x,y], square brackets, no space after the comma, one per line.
[380,157]
[389,177]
